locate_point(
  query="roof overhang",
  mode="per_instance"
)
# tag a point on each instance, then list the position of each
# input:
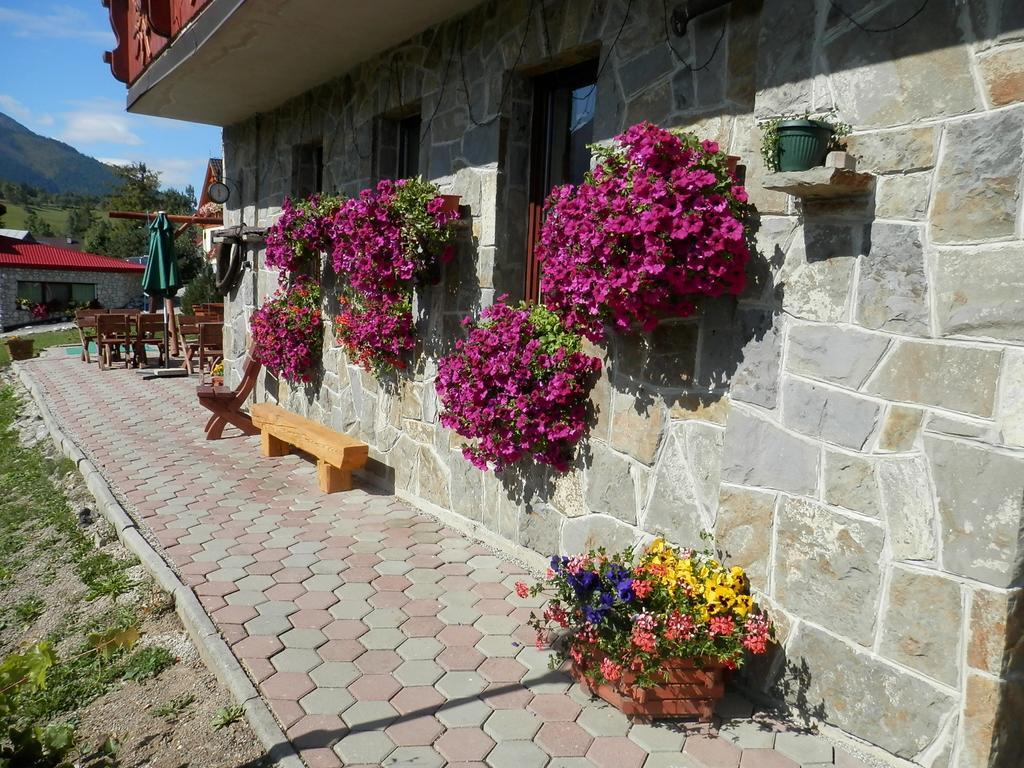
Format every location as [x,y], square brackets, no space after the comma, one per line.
[243,57]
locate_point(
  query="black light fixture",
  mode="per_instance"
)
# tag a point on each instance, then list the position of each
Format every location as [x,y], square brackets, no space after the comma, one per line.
[686,12]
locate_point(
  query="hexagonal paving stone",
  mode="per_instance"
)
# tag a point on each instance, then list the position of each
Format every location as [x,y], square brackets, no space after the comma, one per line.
[334,674]
[506,696]
[493,607]
[322,583]
[287,685]
[745,734]
[369,715]
[499,646]
[460,659]
[420,757]
[508,724]
[419,700]
[344,629]
[309,618]
[255,583]
[245,598]
[502,670]
[385,617]
[516,754]
[392,568]
[374,687]
[303,638]
[658,737]
[604,721]
[424,575]
[378,662]
[422,626]
[712,751]
[463,744]
[804,747]
[458,684]
[382,639]
[424,592]
[464,713]
[563,739]
[356,592]
[415,731]
[616,752]
[555,708]
[277,608]
[496,625]
[296,660]
[458,614]
[326,701]
[268,625]
[769,758]
[257,647]
[459,635]
[340,650]
[420,648]
[285,591]
[389,600]
[546,681]
[316,600]
[418,672]
[234,614]
[364,748]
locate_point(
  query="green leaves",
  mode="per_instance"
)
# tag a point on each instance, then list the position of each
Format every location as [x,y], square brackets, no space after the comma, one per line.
[227,715]
[115,639]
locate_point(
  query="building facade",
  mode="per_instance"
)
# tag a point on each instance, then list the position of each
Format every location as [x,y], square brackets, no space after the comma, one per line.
[851,428]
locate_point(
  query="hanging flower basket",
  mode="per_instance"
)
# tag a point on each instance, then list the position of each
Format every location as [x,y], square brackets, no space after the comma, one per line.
[287,331]
[689,688]
[20,349]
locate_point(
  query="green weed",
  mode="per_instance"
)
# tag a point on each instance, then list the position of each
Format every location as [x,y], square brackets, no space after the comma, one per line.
[148,662]
[176,706]
[28,610]
[225,716]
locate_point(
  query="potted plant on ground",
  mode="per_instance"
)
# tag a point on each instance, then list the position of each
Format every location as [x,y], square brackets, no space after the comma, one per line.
[19,348]
[800,143]
[651,633]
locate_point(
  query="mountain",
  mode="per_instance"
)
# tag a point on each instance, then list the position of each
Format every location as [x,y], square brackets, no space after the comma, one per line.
[49,164]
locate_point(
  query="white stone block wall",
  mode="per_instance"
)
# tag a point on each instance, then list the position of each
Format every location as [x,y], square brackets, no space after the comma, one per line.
[113,289]
[851,428]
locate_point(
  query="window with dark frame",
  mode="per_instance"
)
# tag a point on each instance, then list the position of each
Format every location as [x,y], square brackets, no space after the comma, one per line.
[397,146]
[307,169]
[563,125]
[56,295]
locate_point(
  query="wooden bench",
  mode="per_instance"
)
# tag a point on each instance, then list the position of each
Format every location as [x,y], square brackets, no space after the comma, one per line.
[336,454]
[226,404]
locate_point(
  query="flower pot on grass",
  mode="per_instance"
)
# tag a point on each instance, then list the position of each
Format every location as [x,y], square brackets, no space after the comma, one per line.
[802,144]
[20,349]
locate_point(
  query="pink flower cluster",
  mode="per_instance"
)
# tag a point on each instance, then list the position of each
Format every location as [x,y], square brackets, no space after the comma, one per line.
[757,633]
[518,385]
[287,330]
[642,634]
[382,242]
[297,238]
[657,224]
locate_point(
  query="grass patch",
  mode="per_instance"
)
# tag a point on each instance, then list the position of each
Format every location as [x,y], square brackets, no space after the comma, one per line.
[54,215]
[29,609]
[43,340]
[227,715]
[175,707]
[148,662]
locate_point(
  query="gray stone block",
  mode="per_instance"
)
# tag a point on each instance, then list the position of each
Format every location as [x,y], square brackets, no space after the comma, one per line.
[850,482]
[841,355]
[582,534]
[981,292]
[684,489]
[981,503]
[925,640]
[829,414]
[863,695]
[908,507]
[977,178]
[759,453]
[743,530]
[892,289]
[958,378]
[608,484]
[813,540]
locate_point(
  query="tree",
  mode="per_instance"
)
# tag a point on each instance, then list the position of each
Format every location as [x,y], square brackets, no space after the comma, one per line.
[37,226]
[79,220]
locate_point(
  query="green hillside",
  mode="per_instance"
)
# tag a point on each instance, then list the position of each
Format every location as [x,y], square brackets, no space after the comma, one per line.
[53,215]
[48,164]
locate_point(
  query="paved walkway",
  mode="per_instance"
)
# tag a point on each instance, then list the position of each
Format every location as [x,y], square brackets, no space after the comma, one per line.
[377,635]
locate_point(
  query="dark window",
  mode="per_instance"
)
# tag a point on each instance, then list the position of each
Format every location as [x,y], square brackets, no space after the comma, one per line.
[563,125]
[307,169]
[56,295]
[396,153]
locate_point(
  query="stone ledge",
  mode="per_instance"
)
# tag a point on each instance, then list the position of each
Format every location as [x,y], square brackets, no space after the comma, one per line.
[821,183]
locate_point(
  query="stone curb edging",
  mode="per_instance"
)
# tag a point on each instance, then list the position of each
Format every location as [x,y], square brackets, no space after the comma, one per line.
[214,652]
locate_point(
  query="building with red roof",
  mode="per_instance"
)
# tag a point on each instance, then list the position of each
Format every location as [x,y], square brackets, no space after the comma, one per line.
[61,279]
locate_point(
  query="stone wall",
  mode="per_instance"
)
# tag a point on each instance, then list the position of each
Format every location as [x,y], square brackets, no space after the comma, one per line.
[113,289]
[851,428]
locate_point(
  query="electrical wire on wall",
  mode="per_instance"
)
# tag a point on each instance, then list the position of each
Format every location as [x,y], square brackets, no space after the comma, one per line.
[872,30]
[688,66]
[607,57]
[440,97]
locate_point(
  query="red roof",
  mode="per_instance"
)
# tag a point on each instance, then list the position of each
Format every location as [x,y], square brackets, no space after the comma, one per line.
[18,253]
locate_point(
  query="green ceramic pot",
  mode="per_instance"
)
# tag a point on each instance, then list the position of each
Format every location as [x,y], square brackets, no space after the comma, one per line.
[803,144]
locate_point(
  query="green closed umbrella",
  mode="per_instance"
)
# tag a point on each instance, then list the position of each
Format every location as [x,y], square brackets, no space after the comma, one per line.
[161,279]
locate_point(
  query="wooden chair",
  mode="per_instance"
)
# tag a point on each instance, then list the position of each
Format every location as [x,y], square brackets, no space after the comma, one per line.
[226,404]
[188,339]
[112,334]
[150,331]
[337,454]
[85,321]
[211,343]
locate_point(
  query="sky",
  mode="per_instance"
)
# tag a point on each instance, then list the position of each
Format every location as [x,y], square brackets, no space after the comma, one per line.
[55,83]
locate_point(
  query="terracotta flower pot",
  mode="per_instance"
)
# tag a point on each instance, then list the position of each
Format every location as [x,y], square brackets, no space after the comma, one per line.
[20,349]
[688,689]
[451,203]
[732,163]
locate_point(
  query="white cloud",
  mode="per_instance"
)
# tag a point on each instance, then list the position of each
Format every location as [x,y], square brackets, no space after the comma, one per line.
[11,106]
[90,127]
[57,21]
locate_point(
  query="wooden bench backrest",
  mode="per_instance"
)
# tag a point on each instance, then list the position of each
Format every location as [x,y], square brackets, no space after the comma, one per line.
[211,334]
[250,373]
[151,324]
[337,449]
[112,325]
